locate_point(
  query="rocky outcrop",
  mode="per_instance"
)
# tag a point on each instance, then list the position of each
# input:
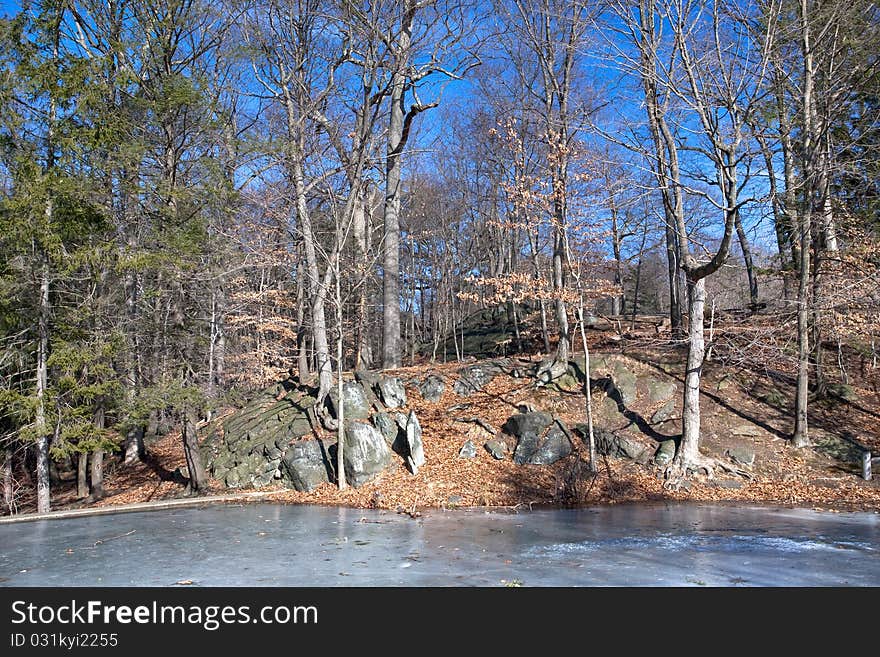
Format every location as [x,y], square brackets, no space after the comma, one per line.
[271,437]
[246,449]
[617,375]
[276,437]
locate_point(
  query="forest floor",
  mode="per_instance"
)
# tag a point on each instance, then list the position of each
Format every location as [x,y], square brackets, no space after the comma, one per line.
[743,406]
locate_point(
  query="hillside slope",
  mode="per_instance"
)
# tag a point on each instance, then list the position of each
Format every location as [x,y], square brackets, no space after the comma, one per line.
[637,400]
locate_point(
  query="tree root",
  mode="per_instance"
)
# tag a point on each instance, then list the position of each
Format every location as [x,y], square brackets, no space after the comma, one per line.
[547,372]
[680,470]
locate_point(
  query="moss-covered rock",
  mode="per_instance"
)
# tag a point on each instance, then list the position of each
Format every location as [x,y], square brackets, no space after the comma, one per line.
[665,453]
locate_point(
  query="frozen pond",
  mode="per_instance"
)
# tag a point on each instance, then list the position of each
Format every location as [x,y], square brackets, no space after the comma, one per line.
[278,545]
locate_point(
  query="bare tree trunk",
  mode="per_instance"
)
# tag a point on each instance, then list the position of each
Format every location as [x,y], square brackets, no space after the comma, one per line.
[560,240]
[82,484]
[43,501]
[317,291]
[133,441]
[8,484]
[340,407]
[562,348]
[588,397]
[688,452]
[97,461]
[302,352]
[829,227]
[618,299]
[134,436]
[359,228]
[393,166]
[801,429]
[97,474]
[198,479]
[747,258]
[675,297]
[391,273]
[817,353]
[216,346]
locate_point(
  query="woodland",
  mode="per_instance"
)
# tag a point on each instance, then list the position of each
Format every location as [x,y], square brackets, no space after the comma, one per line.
[199,199]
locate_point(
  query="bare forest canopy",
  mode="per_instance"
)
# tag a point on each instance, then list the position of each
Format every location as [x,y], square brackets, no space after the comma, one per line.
[199,198]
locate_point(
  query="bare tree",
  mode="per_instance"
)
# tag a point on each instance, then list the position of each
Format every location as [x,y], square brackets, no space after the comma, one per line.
[554,32]
[427,39]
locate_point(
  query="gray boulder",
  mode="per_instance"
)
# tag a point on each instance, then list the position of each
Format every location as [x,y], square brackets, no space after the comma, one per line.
[388,428]
[549,370]
[617,445]
[497,448]
[659,390]
[416,456]
[303,466]
[474,378]
[665,453]
[367,378]
[742,455]
[726,381]
[520,424]
[540,440]
[537,449]
[625,382]
[354,401]
[264,478]
[365,454]
[369,381]
[599,364]
[468,450]
[432,388]
[747,429]
[568,382]
[608,407]
[233,479]
[400,446]
[665,412]
[392,392]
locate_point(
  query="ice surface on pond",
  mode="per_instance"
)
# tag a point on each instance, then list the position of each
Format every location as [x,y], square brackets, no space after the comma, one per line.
[278,545]
[702,543]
